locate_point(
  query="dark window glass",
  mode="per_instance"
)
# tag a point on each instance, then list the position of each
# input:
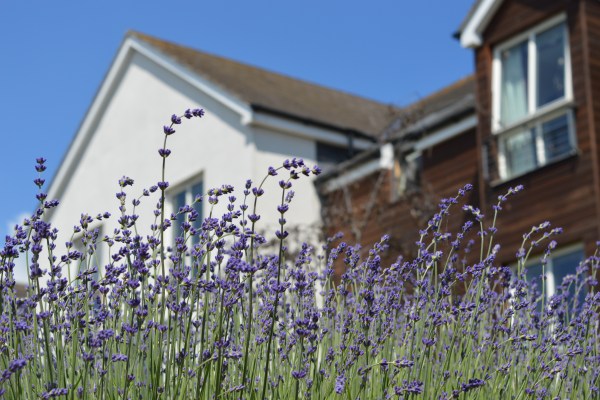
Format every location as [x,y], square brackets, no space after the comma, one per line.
[556,137]
[550,65]
[329,155]
[197,189]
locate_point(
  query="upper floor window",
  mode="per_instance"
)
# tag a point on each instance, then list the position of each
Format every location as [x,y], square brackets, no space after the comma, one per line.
[531,98]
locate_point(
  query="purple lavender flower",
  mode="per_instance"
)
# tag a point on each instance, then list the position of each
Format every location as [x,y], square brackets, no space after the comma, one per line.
[164,153]
[404,363]
[198,112]
[118,357]
[163,185]
[56,392]
[471,384]
[340,383]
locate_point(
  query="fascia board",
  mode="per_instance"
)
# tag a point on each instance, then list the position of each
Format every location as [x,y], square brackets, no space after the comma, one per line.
[471,34]
[446,133]
[287,126]
[352,175]
[362,170]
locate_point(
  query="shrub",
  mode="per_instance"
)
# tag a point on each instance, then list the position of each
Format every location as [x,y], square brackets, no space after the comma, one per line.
[223,318]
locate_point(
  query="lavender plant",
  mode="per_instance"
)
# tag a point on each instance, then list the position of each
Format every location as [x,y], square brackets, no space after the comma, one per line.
[216,316]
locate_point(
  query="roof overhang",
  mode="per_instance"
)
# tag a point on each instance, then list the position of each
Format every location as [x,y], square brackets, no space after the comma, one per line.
[382,157]
[441,118]
[292,126]
[477,21]
[367,163]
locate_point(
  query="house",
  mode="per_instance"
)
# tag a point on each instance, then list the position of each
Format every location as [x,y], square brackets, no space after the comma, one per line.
[394,188]
[254,119]
[528,116]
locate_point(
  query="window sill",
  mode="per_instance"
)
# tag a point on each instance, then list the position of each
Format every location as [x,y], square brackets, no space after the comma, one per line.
[543,112]
[500,182]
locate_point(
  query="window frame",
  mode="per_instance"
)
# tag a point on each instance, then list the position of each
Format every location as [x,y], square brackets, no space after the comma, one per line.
[536,116]
[540,150]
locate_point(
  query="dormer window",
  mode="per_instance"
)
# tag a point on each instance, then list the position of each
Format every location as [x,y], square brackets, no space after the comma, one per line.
[532,97]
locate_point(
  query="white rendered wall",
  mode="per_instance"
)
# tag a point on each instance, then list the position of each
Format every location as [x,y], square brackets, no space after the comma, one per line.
[218,148]
[271,149]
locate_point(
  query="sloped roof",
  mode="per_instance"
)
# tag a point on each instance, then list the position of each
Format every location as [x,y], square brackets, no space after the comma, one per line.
[279,94]
[449,103]
[467,17]
[445,106]
[470,30]
[446,96]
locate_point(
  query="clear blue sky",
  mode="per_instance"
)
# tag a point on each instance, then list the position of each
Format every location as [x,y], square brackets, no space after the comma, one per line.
[55,54]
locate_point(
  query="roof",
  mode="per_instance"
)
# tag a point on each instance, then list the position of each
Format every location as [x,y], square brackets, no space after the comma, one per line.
[470,30]
[272,92]
[467,18]
[445,105]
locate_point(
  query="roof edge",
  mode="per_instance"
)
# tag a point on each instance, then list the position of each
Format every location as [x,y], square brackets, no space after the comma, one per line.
[86,129]
[82,135]
[317,123]
[432,121]
[472,28]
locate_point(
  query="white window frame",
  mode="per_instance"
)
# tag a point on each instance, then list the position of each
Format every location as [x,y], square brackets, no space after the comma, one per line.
[540,150]
[535,116]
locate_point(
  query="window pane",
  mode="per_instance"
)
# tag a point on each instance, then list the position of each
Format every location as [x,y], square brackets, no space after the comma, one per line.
[513,103]
[566,264]
[519,153]
[179,202]
[538,284]
[329,156]
[197,189]
[98,254]
[556,137]
[550,65]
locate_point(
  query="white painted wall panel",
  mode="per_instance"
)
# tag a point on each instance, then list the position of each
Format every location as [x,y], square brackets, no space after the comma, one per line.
[217,147]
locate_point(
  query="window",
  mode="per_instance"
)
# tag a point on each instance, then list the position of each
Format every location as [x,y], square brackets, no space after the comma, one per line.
[561,263]
[531,101]
[91,246]
[185,196]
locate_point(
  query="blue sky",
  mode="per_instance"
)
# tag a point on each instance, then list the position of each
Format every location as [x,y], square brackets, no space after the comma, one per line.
[55,55]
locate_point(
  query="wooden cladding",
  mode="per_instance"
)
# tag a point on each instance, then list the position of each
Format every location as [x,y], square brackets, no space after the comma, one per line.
[565,191]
